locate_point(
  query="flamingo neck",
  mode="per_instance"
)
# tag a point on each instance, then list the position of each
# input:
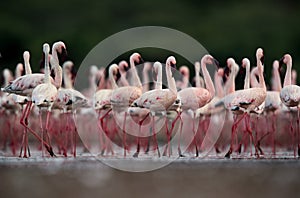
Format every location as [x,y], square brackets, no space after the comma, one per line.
[47,69]
[145,80]
[230,85]
[58,76]
[135,76]
[247,77]
[288,73]
[101,84]
[170,79]
[27,66]
[112,79]
[261,75]
[67,79]
[207,79]
[197,76]
[253,79]
[219,87]
[158,84]
[276,80]
[19,70]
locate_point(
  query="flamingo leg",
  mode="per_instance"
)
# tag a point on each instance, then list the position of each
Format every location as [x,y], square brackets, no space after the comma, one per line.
[49,148]
[42,131]
[180,134]
[167,133]
[154,135]
[194,138]
[23,145]
[233,132]
[102,124]
[136,154]
[124,134]
[102,146]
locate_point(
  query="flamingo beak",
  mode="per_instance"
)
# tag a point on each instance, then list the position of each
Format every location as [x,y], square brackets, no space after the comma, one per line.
[262,59]
[118,75]
[63,56]
[216,63]
[281,62]
[173,65]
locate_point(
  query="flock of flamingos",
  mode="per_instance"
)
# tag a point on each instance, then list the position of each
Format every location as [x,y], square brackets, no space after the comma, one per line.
[45,106]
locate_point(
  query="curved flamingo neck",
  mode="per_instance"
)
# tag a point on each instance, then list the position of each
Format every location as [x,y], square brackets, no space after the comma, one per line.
[288,73]
[57,71]
[111,76]
[261,75]
[170,79]
[135,76]
[207,79]
[253,80]
[230,85]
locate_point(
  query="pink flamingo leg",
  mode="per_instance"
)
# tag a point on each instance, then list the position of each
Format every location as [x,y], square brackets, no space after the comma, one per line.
[23,145]
[154,135]
[124,134]
[102,146]
[136,154]
[233,133]
[49,148]
[102,124]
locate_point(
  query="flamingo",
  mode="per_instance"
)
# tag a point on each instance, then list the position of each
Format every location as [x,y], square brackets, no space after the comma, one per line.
[122,97]
[290,94]
[157,100]
[185,72]
[246,101]
[44,94]
[193,98]
[23,86]
[123,67]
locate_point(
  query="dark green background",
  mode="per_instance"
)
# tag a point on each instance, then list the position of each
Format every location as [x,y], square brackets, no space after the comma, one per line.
[225,28]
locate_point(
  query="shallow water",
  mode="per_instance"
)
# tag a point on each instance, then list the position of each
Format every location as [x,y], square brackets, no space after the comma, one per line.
[85,176]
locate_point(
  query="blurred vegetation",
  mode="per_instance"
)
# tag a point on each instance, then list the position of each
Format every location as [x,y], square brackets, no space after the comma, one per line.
[225,28]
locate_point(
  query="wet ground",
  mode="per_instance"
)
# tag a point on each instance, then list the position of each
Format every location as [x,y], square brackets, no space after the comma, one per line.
[86,176]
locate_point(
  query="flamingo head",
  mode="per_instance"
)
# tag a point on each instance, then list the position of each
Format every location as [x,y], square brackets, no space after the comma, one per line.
[46,48]
[285,60]
[220,72]
[137,58]
[114,70]
[230,63]
[123,66]
[60,48]
[184,70]
[245,63]
[276,65]
[260,55]
[26,56]
[208,59]
[171,61]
